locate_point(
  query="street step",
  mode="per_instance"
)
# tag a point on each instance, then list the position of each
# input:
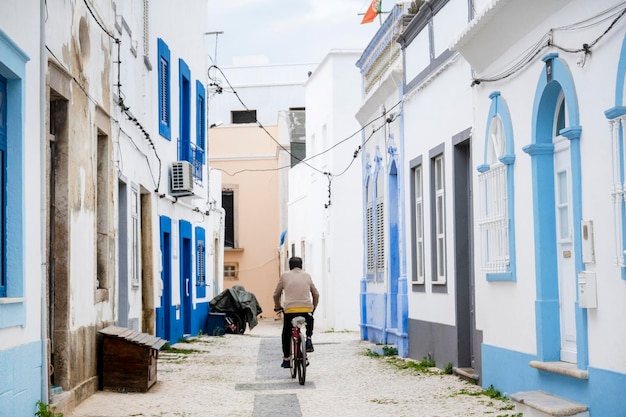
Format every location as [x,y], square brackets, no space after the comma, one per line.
[542,404]
[468,374]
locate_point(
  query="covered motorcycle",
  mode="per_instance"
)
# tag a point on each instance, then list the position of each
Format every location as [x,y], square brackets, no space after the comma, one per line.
[240,307]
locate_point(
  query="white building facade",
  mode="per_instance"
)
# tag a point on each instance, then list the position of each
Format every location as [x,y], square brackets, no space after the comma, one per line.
[548,83]
[438,140]
[107,103]
[384,308]
[323,191]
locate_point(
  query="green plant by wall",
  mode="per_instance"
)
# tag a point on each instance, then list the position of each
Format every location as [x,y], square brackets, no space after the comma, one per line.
[44,410]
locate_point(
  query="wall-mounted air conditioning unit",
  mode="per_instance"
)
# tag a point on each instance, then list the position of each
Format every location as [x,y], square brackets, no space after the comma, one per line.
[181,178]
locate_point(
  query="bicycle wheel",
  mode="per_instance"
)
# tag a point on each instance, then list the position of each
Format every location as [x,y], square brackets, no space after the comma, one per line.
[292,356]
[302,359]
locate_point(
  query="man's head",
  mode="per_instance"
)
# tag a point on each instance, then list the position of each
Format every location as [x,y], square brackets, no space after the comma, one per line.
[295,262]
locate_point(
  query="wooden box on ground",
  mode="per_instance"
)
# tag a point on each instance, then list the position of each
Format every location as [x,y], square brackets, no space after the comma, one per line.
[129,359]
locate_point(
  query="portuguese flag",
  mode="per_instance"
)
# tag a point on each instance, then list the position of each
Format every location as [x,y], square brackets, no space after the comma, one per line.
[372,11]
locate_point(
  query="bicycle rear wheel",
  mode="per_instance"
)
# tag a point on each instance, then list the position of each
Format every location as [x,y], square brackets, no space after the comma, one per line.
[302,359]
[292,356]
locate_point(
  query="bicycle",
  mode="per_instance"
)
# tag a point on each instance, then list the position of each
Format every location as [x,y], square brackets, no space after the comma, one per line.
[297,349]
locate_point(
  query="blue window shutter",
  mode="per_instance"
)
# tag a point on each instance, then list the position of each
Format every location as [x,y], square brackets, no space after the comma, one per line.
[184,111]
[164,90]
[201,119]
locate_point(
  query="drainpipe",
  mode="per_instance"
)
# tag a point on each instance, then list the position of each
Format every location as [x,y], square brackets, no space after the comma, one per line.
[43,137]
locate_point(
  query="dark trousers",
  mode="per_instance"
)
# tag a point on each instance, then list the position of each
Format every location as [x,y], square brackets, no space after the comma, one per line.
[287,326]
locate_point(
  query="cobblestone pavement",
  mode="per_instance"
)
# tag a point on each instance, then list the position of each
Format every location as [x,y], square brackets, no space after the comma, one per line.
[240,375]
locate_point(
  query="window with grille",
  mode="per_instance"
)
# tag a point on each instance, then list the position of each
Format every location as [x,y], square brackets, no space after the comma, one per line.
[243,116]
[439,220]
[617,123]
[200,263]
[231,271]
[164,90]
[495,199]
[418,224]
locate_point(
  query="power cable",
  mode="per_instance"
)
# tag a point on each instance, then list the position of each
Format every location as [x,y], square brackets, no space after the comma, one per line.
[547,40]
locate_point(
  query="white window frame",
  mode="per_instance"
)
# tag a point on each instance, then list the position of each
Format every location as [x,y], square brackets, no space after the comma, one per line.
[418,225]
[439,220]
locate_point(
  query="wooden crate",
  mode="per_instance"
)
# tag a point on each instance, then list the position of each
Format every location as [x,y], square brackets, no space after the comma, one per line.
[129,359]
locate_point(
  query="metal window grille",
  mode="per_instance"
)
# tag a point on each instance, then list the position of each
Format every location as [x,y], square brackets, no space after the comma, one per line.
[201,263]
[493,219]
[618,130]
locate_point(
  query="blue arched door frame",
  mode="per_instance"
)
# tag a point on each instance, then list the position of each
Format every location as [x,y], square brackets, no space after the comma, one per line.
[556,78]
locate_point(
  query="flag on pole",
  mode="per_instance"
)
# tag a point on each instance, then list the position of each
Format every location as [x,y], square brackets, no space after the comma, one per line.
[372,11]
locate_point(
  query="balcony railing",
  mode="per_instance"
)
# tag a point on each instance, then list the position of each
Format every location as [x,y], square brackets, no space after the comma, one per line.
[193,154]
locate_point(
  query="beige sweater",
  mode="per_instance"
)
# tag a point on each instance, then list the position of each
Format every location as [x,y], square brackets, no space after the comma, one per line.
[301,296]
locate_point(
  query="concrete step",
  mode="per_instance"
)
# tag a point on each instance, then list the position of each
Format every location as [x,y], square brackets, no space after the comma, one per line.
[542,404]
[469,374]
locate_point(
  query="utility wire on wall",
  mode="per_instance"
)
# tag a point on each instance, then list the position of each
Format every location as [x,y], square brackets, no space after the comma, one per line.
[120,98]
[547,40]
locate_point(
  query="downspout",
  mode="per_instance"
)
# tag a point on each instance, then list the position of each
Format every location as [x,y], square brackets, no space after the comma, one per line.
[45,368]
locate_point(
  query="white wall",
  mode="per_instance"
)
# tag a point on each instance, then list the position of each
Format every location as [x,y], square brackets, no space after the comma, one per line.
[333,248]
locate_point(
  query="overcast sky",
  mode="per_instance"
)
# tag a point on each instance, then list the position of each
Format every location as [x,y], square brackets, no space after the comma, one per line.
[287,31]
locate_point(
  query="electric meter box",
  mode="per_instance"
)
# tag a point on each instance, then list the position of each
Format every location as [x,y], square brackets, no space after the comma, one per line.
[587,289]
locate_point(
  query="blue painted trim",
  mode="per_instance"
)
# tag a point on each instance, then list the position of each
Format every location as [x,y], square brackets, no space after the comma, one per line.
[509,372]
[185,260]
[547,311]
[200,280]
[184,108]
[13,69]
[164,314]
[502,276]
[201,118]
[22,381]
[614,112]
[499,108]
[165,113]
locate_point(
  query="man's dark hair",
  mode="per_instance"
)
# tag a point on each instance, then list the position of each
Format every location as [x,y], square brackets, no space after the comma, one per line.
[295,262]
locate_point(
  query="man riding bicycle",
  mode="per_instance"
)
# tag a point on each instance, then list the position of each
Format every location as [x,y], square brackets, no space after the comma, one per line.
[301,298]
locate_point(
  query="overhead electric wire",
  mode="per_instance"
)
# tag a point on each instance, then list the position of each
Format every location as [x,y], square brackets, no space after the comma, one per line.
[125,109]
[547,40]
[216,82]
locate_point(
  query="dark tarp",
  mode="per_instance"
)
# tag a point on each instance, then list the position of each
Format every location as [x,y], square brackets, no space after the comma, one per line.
[237,300]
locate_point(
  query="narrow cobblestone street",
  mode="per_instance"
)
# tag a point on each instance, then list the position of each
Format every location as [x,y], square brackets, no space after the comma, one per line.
[240,375]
